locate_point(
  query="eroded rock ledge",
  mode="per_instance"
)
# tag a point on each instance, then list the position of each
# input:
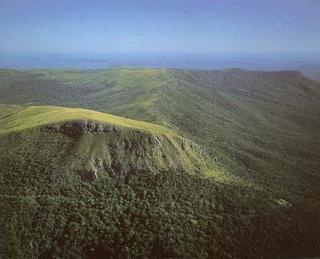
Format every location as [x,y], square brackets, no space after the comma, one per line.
[103,148]
[76,129]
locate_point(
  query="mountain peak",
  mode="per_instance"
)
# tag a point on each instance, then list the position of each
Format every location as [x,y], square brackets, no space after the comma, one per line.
[100,143]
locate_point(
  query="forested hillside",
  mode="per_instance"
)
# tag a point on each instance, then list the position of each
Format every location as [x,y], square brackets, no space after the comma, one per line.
[262,126]
[202,164]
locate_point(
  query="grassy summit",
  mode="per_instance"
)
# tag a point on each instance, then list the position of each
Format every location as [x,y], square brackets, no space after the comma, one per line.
[261,126]
[95,142]
[20,118]
[84,184]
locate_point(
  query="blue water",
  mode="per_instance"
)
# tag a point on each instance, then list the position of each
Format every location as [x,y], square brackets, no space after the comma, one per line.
[189,61]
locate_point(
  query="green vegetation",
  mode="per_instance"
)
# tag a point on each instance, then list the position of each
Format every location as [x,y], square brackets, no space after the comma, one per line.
[219,164]
[17,118]
[168,215]
[94,142]
[259,126]
[100,90]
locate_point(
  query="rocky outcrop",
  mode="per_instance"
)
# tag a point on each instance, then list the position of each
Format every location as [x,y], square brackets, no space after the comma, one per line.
[96,149]
[75,129]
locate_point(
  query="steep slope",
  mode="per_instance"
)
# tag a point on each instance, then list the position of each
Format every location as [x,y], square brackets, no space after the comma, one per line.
[259,129]
[261,126]
[123,91]
[92,143]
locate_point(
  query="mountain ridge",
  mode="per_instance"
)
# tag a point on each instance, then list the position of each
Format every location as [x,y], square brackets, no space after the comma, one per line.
[105,142]
[80,188]
[241,118]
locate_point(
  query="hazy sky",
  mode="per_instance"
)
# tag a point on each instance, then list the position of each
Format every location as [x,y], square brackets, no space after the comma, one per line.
[102,26]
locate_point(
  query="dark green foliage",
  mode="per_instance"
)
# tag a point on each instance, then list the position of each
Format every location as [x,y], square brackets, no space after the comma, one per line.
[167,215]
[261,128]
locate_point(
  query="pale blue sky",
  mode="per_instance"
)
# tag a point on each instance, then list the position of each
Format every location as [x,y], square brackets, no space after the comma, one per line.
[102,26]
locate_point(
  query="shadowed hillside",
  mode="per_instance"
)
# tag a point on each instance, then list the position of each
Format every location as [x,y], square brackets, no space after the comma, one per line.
[232,172]
[93,143]
[263,126]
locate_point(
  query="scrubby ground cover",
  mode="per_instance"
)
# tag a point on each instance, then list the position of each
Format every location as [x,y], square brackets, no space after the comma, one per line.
[168,215]
[258,199]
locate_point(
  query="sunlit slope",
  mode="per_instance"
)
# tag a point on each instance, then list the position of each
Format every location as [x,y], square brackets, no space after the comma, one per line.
[262,126]
[20,118]
[121,91]
[89,142]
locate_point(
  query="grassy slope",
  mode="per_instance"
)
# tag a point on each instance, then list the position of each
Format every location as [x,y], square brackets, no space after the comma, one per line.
[34,116]
[129,145]
[262,127]
[49,212]
[101,90]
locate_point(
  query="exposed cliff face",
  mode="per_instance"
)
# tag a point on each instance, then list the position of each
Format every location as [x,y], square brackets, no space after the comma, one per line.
[75,129]
[89,144]
[96,149]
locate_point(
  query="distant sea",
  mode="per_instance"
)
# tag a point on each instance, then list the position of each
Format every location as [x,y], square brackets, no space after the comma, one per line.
[308,64]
